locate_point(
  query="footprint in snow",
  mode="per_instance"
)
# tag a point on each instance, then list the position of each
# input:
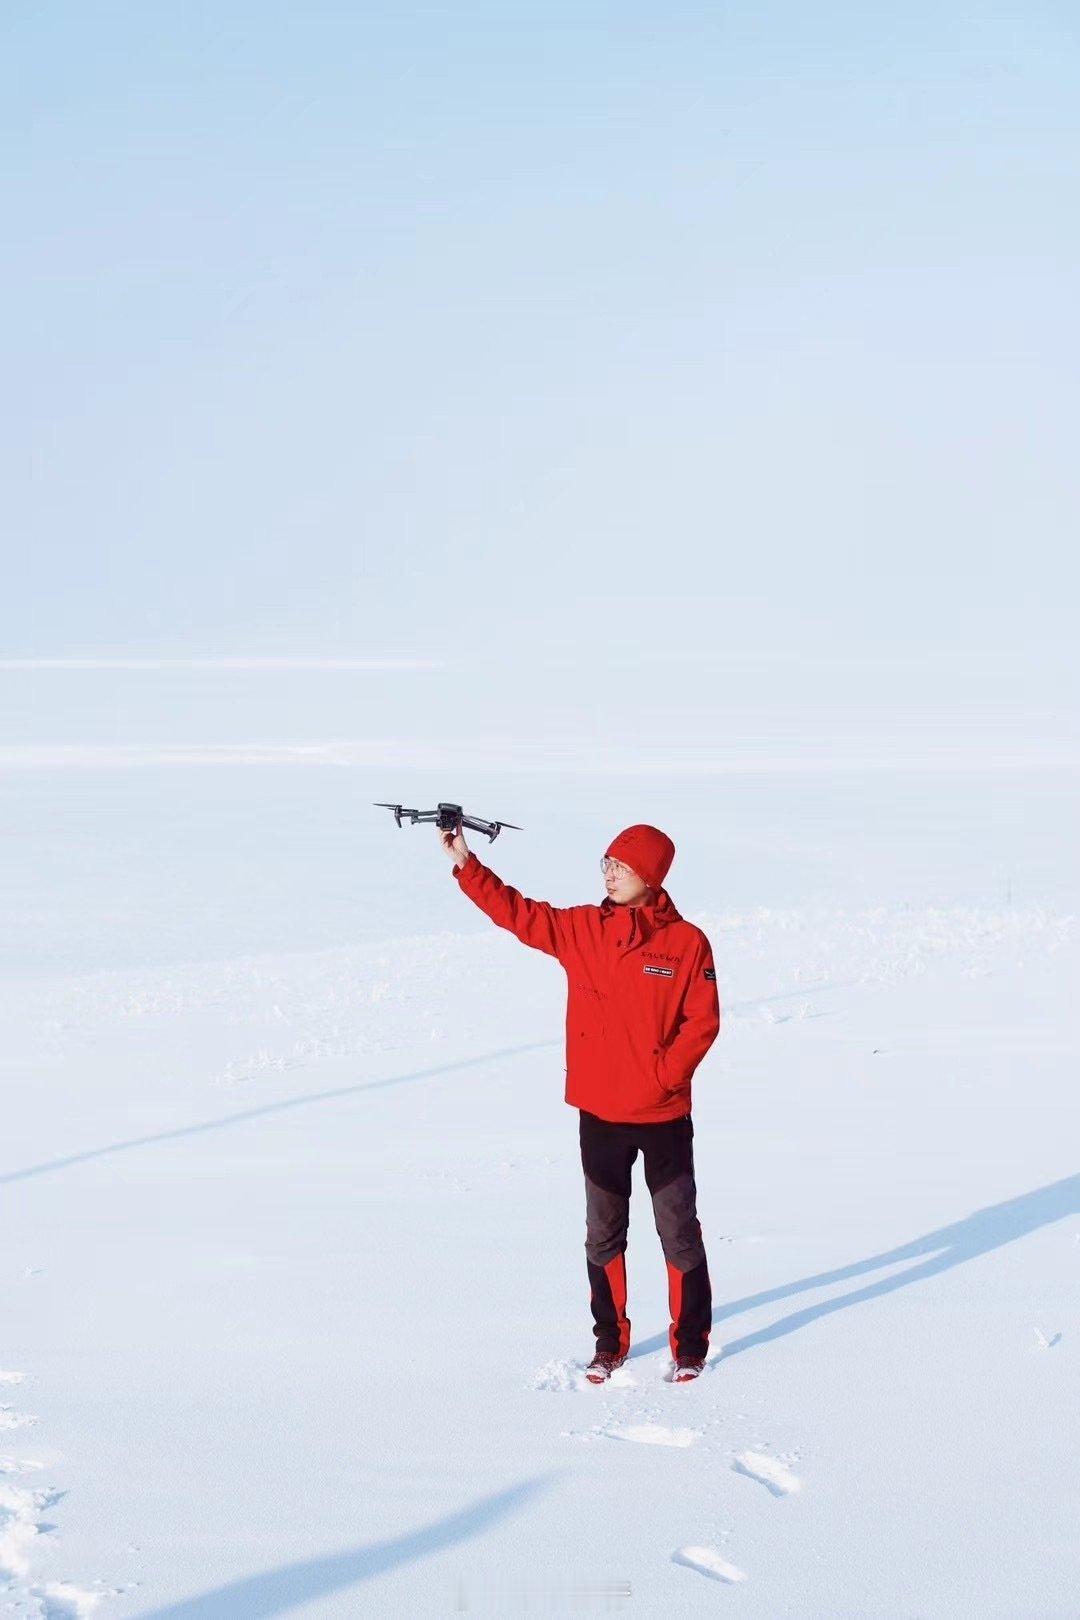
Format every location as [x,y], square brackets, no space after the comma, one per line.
[21,1529]
[768,1471]
[19,1465]
[20,1525]
[707,1561]
[62,1601]
[562,1376]
[10,1419]
[651,1434]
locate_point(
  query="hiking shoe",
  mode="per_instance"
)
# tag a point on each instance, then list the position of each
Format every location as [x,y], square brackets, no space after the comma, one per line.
[602,1365]
[687,1367]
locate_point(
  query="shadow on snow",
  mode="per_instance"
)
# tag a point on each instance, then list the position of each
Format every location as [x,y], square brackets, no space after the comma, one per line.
[935,1252]
[276,1590]
[266,1108]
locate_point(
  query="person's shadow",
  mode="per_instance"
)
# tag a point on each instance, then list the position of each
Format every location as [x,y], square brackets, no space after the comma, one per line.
[273,1591]
[934,1253]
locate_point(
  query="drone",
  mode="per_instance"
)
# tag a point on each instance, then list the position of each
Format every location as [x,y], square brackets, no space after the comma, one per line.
[449,818]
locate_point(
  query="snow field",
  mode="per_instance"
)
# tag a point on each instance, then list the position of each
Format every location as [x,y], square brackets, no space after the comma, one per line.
[337,1220]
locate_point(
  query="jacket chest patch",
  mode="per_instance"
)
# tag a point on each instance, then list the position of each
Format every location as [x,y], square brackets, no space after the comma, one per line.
[663,973]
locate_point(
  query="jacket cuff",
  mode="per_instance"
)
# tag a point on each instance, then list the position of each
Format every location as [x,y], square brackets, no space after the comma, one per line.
[458,872]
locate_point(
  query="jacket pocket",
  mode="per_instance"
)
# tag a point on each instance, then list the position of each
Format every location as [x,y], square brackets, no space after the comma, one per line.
[663,1080]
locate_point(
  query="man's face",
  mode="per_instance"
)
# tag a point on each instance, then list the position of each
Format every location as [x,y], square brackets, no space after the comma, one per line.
[622,883]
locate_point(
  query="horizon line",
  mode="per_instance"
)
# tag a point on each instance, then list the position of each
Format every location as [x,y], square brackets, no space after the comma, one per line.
[391,661]
[539,754]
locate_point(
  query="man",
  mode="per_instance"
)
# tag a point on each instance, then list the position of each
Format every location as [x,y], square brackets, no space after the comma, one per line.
[642,1011]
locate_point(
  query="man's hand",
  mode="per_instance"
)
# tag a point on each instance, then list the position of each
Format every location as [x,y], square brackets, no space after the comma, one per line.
[454,844]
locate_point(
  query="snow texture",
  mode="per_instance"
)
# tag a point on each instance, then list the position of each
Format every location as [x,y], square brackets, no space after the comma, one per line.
[296,1308]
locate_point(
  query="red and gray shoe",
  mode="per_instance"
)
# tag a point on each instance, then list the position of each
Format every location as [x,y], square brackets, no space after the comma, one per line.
[687,1367]
[602,1365]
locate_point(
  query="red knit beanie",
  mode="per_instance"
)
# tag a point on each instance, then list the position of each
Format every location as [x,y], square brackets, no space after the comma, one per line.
[646,851]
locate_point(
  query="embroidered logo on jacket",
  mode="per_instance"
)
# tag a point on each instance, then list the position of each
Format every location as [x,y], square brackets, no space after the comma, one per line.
[710,973]
[664,973]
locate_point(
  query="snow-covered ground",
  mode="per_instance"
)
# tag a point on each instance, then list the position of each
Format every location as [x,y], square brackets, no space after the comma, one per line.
[295,1305]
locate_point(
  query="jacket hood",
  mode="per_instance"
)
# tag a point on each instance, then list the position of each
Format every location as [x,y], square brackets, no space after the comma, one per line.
[647,918]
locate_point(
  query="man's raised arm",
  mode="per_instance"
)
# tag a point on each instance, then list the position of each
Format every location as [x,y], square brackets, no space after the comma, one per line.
[534,922]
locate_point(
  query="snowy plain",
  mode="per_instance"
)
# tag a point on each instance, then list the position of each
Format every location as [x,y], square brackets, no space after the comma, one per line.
[294,1287]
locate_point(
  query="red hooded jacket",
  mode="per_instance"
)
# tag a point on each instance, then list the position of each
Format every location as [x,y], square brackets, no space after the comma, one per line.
[642,1005]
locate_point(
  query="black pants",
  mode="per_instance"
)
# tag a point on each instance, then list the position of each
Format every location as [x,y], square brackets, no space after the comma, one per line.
[607,1153]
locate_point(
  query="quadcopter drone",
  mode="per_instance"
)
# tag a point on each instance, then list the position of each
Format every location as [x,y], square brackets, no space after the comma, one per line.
[448,817]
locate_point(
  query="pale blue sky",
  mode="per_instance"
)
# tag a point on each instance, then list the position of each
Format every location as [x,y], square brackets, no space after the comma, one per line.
[652,342]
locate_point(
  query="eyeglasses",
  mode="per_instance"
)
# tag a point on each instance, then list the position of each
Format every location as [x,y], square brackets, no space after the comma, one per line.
[613,868]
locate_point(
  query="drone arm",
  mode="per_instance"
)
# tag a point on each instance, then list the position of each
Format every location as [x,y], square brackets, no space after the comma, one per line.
[488,828]
[534,922]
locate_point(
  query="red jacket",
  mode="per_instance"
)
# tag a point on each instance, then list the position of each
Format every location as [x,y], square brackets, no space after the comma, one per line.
[642,1005]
